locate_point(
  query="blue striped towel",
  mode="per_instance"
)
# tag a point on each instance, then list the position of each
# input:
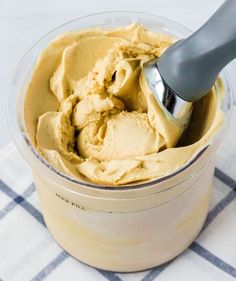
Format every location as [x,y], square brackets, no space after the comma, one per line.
[28,252]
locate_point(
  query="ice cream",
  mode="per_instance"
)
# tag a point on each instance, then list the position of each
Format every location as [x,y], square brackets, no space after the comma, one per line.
[91,115]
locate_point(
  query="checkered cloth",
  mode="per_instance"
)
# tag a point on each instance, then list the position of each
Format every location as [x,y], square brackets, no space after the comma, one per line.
[28,252]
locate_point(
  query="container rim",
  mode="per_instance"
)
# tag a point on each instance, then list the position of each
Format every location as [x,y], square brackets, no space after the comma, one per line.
[13,120]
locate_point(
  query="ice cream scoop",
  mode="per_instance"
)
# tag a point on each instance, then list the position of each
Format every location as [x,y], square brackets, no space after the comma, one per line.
[189,68]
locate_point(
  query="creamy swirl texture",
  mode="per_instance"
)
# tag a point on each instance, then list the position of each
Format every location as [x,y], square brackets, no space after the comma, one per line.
[90,113]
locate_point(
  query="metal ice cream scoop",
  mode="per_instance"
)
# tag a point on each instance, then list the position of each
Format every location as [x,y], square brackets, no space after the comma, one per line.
[189,68]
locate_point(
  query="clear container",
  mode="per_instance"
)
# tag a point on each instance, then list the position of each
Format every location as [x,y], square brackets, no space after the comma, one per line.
[132,227]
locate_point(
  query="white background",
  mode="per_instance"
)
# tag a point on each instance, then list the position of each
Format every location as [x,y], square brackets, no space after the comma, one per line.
[22,22]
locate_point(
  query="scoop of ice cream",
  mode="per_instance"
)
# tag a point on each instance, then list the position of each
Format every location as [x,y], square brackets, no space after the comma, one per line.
[124,135]
[90,113]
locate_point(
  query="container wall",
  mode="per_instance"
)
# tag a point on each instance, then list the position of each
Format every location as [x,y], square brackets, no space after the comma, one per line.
[127,241]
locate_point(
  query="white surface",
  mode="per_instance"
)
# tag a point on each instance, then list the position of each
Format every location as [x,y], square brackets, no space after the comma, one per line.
[24,22]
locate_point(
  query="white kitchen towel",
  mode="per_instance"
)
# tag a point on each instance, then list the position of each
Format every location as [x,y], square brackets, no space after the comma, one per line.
[28,251]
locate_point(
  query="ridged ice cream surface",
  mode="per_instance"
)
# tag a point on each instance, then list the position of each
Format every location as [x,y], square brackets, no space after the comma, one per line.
[90,114]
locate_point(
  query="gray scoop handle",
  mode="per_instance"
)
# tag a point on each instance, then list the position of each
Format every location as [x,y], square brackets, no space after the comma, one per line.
[191,66]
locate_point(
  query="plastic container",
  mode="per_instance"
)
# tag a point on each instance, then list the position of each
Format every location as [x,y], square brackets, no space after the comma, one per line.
[132,227]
